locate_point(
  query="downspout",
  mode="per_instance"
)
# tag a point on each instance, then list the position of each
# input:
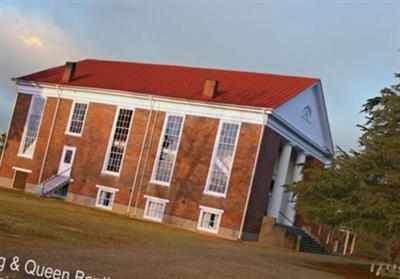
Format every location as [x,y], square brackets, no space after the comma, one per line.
[253,173]
[50,134]
[145,163]
[140,156]
[9,126]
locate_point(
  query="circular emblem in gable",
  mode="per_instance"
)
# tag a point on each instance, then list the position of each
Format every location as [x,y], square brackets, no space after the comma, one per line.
[307,114]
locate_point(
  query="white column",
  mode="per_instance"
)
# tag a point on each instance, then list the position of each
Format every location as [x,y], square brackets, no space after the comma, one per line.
[290,210]
[275,200]
[353,244]
[328,238]
[335,246]
[346,243]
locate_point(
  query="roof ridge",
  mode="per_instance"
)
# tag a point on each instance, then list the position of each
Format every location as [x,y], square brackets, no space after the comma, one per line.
[199,68]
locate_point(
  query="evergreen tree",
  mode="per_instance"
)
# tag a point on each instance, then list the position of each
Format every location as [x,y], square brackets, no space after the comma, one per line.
[361,190]
[378,167]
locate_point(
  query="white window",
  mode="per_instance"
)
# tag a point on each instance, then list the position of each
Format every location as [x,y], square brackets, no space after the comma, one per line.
[118,141]
[209,219]
[222,159]
[31,129]
[154,209]
[77,118]
[105,197]
[167,149]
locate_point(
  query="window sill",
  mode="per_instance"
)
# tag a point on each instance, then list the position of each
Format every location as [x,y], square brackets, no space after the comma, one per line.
[152,219]
[215,194]
[207,230]
[110,173]
[25,156]
[103,207]
[73,135]
[160,183]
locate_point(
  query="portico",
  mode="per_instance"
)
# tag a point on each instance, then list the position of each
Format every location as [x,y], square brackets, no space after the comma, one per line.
[281,205]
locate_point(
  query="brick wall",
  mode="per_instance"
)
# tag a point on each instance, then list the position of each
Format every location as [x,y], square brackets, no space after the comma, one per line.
[91,148]
[261,185]
[191,170]
[190,173]
[10,158]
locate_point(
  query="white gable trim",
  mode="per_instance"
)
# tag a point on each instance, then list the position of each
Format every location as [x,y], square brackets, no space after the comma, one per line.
[293,136]
[326,126]
[140,100]
[303,121]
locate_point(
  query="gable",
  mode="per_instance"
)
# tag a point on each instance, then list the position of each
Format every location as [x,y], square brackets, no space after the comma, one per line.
[306,114]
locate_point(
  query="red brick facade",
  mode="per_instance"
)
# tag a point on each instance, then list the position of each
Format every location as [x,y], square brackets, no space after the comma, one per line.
[185,193]
[10,158]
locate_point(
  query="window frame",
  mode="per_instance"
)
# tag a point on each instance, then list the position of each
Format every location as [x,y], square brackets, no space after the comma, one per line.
[160,143]
[108,151]
[24,133]
[67,131]
[214,156]
[211,210]
[157,200]
[113,191]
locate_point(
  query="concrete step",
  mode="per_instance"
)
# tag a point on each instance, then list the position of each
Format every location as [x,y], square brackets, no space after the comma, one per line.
[307,243]
[51,185]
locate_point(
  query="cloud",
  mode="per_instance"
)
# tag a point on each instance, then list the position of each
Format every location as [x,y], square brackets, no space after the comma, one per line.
[35,41]
[349,47]
[32,41]
[28,44]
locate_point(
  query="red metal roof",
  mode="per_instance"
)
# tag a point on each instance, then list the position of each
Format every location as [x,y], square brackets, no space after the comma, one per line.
[235,87]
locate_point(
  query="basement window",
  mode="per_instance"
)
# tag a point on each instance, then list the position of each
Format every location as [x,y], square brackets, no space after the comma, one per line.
[209,219]
[77,119]
[105,197]
[154,209]
[118,141]
[168,149]
[32,126]
[222,159]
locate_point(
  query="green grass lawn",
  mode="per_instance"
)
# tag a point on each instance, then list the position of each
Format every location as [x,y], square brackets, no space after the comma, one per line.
[68,236]
[25,216]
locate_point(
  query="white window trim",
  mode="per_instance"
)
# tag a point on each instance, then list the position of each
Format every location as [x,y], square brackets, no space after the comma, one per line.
[154,199]
[104,169]
[67,132]
[210,210]
[108,189]
[153,180]
[23,138]
[22,169]
[213,158]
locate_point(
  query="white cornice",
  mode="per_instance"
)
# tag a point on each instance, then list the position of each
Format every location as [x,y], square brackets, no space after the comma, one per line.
[198,108]
[298,139]
[140,100]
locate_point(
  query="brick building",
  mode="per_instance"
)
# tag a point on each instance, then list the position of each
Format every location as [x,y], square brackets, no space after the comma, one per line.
[202,149]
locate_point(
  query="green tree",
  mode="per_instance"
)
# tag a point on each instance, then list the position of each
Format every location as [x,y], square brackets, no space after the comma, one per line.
[361,190]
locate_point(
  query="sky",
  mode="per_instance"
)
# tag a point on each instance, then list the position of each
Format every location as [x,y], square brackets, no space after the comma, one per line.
[352,46]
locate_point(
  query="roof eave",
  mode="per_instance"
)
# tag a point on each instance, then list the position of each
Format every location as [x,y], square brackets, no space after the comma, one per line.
[146,95]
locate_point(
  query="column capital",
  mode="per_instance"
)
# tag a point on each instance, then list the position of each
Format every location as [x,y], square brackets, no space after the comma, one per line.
[288,143]
[301,157]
